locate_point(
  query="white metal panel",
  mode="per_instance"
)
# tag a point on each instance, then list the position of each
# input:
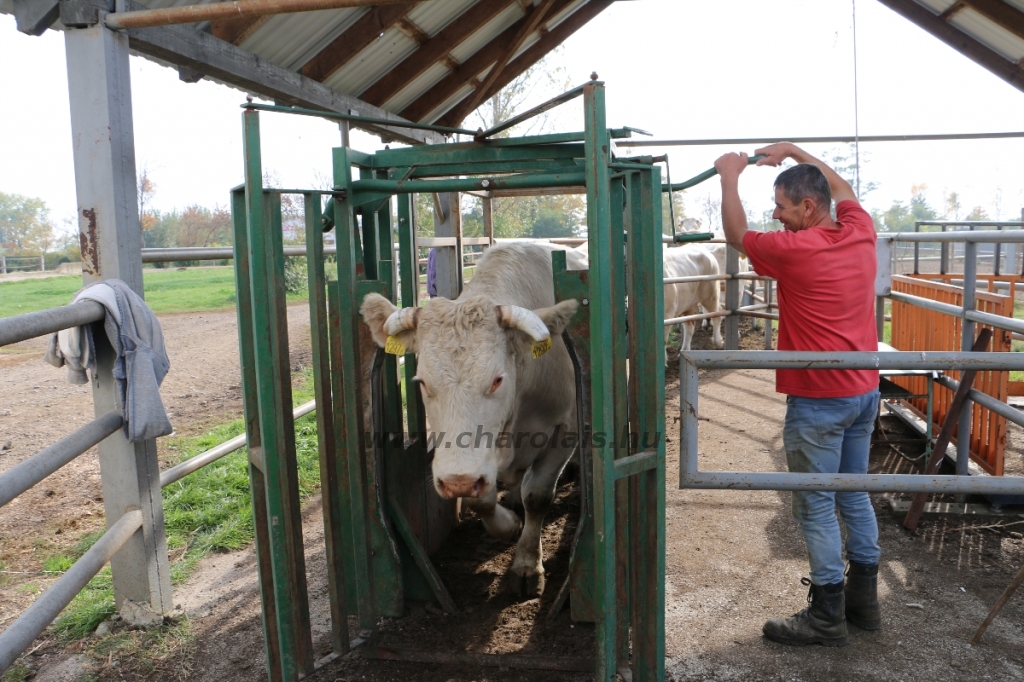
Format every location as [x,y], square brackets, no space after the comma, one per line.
[567,12]
[487,32]
[937,6]
[291,40]
[990,33]
[431,17]
[421,84]
[373,62]
[441,109]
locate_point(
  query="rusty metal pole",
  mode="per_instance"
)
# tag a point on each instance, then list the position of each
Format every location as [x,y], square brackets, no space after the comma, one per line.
[190,14]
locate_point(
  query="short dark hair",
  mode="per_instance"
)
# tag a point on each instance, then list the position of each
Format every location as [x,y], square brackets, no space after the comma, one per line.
[805,181]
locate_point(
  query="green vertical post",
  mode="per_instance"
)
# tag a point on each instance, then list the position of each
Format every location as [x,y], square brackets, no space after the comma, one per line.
[372,249]
[275,455]
[329,462]
[602,244]
[250,402]
[351,432]
[647,489]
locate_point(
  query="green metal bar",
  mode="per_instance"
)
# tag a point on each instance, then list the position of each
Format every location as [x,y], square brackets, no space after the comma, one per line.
[351,440]
[368,229]
[409,268]
[531,181]
[329,462]
[497,168]
[276,455]
[686,237]
[334,116]
[602,245]
[635,464]
[620,426]
[433,155]
[420,557]
[706,175]
[530,113]
[343,502]
[250,402]
[646,393]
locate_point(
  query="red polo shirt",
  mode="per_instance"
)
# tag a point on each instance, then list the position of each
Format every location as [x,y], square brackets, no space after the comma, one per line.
[826,291]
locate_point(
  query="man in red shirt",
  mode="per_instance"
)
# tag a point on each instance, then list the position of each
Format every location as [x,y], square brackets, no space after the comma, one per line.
[825,269]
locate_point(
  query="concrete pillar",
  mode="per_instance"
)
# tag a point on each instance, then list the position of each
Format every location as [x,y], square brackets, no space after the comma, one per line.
[111,239]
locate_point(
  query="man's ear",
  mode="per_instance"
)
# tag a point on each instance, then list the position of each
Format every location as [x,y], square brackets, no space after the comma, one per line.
[375,311]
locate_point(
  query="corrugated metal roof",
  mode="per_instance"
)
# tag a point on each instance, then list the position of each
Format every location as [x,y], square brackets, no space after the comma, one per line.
[294,40]
[991,32]
[351,49]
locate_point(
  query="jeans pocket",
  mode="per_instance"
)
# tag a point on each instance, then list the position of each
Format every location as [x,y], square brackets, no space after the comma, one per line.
[831,421]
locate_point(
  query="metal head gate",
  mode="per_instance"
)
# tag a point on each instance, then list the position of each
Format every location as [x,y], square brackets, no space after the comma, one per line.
[382,519]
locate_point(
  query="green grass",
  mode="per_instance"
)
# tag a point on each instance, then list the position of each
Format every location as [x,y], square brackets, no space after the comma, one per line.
[167,291]
[209,510]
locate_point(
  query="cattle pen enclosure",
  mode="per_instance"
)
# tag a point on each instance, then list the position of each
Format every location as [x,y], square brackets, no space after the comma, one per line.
[382,523]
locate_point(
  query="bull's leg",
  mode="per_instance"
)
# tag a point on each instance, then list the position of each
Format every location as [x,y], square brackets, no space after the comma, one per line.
[526,576]
[688,328]
[712,304]
[499,521]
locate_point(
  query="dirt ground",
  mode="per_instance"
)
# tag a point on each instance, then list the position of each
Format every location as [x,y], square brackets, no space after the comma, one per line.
[734,558]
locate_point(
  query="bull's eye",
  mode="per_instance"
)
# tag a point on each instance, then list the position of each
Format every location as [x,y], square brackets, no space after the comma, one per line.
[497,382]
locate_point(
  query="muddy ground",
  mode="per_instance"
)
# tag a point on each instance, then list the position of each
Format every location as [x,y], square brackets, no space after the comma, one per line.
[734,558]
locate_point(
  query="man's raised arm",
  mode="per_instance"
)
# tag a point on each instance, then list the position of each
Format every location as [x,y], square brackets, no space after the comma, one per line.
[734,219]
[775,154]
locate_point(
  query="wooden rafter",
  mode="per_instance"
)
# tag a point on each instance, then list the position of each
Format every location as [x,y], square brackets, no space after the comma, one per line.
[359,36]
[548,41]
[1004,14]
[236,30]
[1011,72]
[434,50]
[470,69]
[533,20]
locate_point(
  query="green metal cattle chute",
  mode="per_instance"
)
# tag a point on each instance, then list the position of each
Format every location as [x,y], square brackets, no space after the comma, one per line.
[383,521]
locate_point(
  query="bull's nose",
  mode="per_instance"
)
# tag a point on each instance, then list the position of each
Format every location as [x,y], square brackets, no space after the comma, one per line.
[462,486]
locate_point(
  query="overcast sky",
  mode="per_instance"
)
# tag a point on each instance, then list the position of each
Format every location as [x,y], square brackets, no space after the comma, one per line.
[694,69]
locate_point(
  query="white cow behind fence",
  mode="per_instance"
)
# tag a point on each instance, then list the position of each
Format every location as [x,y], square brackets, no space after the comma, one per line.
[685,299]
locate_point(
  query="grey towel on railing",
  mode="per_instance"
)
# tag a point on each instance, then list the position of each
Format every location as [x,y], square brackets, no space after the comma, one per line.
[141,364]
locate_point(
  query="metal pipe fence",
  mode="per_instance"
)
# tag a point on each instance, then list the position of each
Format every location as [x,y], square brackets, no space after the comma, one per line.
[20,634]
[690,475]
[31,471]
[30,325]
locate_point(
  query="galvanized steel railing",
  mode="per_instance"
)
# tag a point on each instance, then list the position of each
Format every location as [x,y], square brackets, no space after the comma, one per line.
[690,475]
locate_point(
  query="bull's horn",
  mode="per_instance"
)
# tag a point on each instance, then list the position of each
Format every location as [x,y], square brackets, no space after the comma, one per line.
[512,316]
[402,320]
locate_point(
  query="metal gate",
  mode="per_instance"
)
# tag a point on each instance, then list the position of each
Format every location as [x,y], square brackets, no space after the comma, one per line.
[382,519]
[919,329]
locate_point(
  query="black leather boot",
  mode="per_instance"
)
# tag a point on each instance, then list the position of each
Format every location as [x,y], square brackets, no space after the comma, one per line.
[822,622]
[862,596]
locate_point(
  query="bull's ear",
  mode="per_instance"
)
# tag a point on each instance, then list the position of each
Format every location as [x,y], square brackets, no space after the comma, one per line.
[375,311]
[556,318]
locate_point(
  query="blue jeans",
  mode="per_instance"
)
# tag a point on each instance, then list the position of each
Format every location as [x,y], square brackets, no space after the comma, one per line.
[832,435]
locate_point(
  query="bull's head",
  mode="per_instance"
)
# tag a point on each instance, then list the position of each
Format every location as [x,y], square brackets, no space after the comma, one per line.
[470,354]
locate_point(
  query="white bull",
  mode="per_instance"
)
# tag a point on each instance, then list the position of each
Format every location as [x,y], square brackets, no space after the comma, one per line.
[684,299]
[498,406]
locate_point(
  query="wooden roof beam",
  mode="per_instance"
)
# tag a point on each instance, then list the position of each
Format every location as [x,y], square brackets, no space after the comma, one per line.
[471,68]
[434,50]
[359,36]
[236,30]
[1006,15]
[531,24]
[961,42]
[548,41]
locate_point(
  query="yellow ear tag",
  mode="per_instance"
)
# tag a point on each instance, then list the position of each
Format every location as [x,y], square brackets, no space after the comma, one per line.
[541,347]
[394,346]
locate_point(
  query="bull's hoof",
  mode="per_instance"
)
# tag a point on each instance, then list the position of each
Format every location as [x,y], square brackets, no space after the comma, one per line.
[525,586]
